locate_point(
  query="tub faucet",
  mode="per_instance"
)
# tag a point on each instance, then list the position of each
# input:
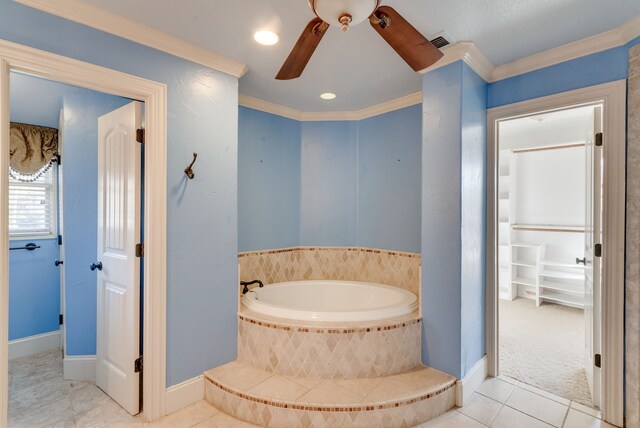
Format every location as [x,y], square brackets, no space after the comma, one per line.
[246,284]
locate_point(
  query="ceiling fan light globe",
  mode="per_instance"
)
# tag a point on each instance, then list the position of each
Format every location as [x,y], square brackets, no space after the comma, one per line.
[330,11]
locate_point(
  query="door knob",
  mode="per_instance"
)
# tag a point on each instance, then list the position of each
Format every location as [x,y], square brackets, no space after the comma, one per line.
[58,263]
[95,266]
[582,260]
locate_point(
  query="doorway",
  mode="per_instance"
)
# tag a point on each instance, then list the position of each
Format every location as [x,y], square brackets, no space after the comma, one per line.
[19,58]
[99,194]
[555,196]
[545,303]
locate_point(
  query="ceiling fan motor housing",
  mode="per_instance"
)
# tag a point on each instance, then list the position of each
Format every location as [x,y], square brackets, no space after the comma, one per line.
[343,12]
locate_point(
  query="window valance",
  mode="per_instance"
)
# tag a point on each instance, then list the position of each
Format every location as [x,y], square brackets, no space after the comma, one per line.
[32,150]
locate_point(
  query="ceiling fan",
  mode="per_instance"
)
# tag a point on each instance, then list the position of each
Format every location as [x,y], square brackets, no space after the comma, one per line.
[412,46]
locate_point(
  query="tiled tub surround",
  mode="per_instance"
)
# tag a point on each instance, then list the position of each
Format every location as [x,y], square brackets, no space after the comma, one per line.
[266,399]
[329,350]
[394,268]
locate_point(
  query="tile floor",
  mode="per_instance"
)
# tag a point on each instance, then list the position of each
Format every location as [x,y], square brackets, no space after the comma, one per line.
[507,403]
[39,397]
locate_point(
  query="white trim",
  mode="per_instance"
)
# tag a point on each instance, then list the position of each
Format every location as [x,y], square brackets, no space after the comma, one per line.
[598,43]
[471,382]
[104,20]
[154,95]
[79,367]
[467,52]
[185,394]
[613,97]
[305,116]
[34,344]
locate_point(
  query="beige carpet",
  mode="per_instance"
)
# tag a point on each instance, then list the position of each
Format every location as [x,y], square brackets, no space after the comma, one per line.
[543,347]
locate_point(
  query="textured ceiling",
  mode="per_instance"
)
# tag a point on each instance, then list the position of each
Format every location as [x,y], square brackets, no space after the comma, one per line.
[358,65]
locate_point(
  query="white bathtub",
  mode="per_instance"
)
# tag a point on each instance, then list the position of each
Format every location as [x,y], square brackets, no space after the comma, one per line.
[322,300]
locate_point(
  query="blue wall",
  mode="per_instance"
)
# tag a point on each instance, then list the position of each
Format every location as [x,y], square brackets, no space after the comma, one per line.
[268,181]
[202,213]
[328,211]
[453,218]
[34,289]
[34,281]
[82,108]
[354,183]
[389,174]
[594,69]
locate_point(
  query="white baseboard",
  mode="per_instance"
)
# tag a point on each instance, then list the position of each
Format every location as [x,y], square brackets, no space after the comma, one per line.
[184,394]
[471,382]
[34,344]
[79,367]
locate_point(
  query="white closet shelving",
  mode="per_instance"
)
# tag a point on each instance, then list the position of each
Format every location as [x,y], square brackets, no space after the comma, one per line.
[506,218]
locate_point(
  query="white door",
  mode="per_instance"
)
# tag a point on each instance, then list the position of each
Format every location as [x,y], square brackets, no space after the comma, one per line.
[593,237]
[117,267]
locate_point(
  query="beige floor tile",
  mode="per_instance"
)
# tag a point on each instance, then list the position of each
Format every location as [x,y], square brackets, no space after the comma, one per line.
[238,375]
[511,418]
[307,382]
[279,388]
[222,420]
[482,409]
[496,389]
[393,389]
[545,394]
[576,419]
[328,392]
[187,417]
[107,415]
[451,419]
[586,409]
[537,406]
[360,386]
[86,396]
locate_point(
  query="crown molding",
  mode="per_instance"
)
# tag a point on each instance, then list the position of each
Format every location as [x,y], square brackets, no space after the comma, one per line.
[598,43]
[102,19]
[470,54]
[306,116]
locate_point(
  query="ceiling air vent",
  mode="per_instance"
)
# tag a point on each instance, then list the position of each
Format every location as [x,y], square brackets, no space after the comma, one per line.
[440,40]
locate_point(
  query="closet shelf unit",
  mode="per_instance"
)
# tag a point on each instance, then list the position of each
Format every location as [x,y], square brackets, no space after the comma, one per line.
[540,279]
[506,217]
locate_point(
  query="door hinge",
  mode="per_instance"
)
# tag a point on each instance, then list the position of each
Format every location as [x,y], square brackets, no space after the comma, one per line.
[140,249]
[59,239]
[60,319]
[140,135]
[597,360]
[597,250]
[137,365]
[599,139]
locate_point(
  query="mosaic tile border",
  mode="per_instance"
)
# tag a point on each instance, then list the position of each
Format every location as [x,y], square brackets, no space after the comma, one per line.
[325,330]
[348,249]
[394,268]
[331,408]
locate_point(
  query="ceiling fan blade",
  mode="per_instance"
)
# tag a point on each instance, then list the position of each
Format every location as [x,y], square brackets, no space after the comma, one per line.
[412,46]
[302,51]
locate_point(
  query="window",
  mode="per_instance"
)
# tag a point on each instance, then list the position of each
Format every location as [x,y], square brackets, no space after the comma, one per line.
[32,207]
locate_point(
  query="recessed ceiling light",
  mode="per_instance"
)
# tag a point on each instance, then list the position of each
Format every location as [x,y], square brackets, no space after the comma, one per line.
[266,37]
[328,96]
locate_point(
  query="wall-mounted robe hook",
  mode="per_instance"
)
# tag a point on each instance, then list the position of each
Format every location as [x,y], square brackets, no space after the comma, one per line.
[188,169]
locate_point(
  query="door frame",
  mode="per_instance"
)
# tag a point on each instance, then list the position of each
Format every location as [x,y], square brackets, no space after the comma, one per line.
[18,57]
[612,96]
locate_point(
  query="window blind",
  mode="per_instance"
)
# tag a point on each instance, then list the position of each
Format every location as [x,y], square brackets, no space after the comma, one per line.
[32,206]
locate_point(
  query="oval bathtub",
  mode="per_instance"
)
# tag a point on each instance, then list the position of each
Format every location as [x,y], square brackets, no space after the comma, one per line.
[334,301]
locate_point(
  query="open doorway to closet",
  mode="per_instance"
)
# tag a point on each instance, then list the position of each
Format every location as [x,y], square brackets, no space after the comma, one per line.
[549,266]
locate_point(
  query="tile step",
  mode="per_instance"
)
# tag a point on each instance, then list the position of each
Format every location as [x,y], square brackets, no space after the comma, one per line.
[269,399]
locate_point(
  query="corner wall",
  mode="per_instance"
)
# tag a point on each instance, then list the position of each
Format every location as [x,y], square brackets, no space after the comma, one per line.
[358,181]
[453,218]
